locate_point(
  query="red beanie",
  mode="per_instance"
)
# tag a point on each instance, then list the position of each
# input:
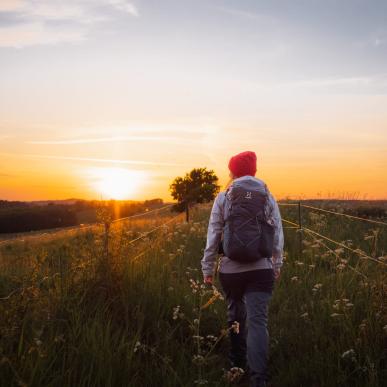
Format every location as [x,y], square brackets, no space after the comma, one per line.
[242,164]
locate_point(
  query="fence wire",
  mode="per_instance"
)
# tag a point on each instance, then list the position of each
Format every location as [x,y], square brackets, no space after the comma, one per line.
[81,227]
[132,259]
[345,215]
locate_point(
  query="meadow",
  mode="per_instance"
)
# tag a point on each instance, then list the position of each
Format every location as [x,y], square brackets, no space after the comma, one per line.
[128,308]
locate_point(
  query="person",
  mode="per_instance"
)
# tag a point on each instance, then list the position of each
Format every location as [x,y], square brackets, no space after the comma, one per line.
[247,286]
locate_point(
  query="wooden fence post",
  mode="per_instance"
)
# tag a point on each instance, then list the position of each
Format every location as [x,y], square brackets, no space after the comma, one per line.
[300,227]
[187,211]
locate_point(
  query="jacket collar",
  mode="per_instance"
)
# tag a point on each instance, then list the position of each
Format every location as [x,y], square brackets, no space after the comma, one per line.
[245,177]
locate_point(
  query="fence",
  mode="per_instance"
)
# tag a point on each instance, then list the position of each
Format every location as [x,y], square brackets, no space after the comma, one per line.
[80,227]
[142,236]
[315,235]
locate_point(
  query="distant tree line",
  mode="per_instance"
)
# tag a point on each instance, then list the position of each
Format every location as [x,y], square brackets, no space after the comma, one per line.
[29,216]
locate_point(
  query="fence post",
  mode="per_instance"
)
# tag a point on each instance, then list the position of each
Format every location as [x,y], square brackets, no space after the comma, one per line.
[187,211]
[300,227]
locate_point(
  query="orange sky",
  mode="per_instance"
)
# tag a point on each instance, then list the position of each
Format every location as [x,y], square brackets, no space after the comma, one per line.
[116,99]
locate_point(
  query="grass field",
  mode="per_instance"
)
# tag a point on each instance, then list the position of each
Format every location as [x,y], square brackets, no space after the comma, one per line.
[77,312]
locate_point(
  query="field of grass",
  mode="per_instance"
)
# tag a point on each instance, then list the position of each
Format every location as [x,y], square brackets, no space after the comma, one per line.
[77,312]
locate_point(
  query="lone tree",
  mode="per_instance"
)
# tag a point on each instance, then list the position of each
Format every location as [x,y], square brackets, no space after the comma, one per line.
[197,186]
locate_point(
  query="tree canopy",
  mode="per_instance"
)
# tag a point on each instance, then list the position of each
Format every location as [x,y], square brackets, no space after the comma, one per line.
[198,186]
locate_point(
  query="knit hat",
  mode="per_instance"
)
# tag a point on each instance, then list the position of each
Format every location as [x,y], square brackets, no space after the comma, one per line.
[242,164]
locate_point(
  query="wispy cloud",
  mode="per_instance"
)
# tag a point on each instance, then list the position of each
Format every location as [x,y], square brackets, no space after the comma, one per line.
[47,22]
[375,84]
[247,14]
[111,139]
[92,159]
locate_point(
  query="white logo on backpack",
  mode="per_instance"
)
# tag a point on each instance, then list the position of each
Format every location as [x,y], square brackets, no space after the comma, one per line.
[248,195]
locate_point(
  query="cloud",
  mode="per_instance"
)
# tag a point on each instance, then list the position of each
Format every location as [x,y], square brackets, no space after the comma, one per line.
[47,22]
[31,34]
[373,84]
[168,139]
[95,160]
[11,5]
[243,14]
[124,6]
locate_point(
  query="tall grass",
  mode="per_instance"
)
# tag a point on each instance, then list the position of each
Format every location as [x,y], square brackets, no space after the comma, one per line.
[67,319]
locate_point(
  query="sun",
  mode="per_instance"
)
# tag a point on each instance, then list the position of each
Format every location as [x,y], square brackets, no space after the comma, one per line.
[116,183]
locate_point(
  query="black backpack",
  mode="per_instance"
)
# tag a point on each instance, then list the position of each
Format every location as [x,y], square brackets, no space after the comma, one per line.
[247,236]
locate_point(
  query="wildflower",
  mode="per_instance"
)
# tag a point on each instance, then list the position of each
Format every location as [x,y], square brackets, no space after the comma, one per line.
[137,346]
[298,263]
[198,337]
[37,342]
[194,285]
[363,326]
[201,382]
[349,354]
[294,279]
[170,289]
[385,328]
[234,374]
[304,315]
[198,359]
[349,305]
[340,250]
[59,338]
[312,266]
[211,338]
[176,311]
[196,321]
[235,327]
[340,266]
[335,314]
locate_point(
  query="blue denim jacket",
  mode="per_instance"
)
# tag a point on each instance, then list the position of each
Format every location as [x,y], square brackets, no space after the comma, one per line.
[214,235]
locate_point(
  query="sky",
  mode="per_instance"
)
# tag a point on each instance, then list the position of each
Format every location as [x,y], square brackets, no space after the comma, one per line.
[116,98]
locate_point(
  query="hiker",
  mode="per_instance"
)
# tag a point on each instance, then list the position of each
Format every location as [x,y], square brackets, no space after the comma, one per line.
[252,247]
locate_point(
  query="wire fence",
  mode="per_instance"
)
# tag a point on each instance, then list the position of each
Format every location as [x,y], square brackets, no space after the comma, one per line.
[133,259]
[300,227]
[80,227]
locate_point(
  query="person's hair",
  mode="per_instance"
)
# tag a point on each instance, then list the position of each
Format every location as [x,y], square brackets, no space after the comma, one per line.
[228,184]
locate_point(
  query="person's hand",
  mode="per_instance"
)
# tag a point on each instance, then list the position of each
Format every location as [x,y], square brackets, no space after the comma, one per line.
[277,274]
[208,279]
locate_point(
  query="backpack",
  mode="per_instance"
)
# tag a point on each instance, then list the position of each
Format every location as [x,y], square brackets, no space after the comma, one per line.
[247,236]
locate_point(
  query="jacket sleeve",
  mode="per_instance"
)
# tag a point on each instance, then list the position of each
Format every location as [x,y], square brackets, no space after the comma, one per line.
[274,218]
[214,234]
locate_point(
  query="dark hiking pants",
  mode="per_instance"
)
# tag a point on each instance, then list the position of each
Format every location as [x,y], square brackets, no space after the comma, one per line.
[247,295]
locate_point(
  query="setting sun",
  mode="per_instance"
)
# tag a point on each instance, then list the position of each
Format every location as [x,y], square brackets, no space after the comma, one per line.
[116,183]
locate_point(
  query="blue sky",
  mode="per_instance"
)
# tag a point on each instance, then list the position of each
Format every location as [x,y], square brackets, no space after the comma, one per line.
[303,83]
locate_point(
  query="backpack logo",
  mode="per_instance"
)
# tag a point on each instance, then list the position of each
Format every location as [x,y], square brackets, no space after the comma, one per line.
[248,195]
